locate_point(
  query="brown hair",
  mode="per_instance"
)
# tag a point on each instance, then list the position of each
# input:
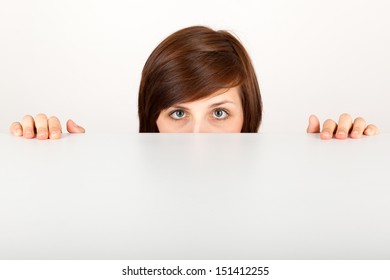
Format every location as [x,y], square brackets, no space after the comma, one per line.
[192,64]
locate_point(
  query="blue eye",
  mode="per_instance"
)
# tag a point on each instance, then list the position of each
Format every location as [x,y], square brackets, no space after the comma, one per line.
[178,114]
[220,114]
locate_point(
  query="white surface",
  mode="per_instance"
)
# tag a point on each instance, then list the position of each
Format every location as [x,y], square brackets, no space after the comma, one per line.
[195,196]
[83,59]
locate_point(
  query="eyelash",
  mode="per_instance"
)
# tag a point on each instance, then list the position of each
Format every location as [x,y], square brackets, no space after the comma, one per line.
[174,111]
[216,109]
[223,110]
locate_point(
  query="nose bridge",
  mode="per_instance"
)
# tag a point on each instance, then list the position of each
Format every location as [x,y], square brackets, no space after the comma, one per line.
[197,124]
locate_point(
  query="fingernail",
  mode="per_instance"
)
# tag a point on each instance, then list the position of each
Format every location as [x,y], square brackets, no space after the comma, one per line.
[369,130]
[326,134]
[341,134]
[28,132]
[18,131]
[355,133]
[41,132]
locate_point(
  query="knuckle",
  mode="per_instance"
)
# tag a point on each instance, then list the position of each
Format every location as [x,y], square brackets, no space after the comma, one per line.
[54,124]
[55,129]
[41,116]
[372,128]
[360,119]
[329,121]
[54,118]
[27,118]
[345,115]
[42,129]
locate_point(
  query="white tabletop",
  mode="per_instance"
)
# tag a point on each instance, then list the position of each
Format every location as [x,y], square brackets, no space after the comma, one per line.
[195,196]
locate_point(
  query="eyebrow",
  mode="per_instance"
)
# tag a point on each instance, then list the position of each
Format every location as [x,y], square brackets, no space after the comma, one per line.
[211,106]
[220,103]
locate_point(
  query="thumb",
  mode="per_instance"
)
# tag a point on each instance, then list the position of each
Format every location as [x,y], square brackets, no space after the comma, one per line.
[72,127]
[314,125]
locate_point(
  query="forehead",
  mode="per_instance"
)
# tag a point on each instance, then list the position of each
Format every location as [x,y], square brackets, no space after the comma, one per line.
[225,94]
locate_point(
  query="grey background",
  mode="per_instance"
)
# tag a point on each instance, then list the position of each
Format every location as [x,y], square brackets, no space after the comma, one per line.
[237,196]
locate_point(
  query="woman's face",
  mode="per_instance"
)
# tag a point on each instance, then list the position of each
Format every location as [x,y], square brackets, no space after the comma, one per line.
[220,112]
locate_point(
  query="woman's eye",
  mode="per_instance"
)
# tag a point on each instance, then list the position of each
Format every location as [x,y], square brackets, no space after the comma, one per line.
[220,114]
[177,115]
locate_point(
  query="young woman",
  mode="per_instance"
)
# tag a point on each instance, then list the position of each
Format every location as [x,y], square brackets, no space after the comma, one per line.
[198,80]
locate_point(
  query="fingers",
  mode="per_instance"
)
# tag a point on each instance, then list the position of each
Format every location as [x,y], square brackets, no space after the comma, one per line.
[55,130]
[28,127]
[72,127]
[358,127]
[371,130]
[41,127]
[344,126]
[16,129]
[314,125]
[328,129]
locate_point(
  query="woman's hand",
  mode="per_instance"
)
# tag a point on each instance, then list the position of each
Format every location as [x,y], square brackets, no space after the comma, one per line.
[42,127]
[345,127]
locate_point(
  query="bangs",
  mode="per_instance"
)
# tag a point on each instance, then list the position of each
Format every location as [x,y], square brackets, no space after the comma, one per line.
[199,75]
